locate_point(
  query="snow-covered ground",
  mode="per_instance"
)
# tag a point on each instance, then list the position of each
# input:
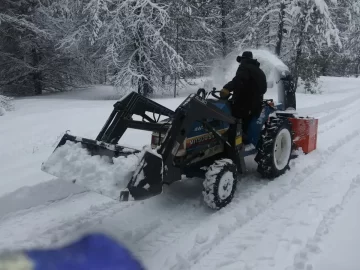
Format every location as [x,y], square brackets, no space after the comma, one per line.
[305,219]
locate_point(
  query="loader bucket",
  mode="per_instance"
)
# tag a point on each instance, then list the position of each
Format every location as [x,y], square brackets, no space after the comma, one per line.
[97,148]
[147,181]
[106,169]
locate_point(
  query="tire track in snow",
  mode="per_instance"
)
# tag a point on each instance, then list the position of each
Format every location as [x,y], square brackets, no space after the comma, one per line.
[52,226]
[31,209]
[186,218]
[27,198]
[240,217]
[328,123]
[163,215]
[329,106]
[302,258]
[82,223]
[96,214]
[296,214]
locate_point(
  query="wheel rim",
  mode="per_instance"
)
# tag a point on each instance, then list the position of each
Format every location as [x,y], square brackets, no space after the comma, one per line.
[282,149]
[226,185]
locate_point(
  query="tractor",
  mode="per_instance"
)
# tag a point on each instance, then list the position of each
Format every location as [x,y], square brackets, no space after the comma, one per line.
[201,139]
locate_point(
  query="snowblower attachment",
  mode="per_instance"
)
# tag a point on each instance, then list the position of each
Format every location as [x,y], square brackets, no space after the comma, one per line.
[90,163]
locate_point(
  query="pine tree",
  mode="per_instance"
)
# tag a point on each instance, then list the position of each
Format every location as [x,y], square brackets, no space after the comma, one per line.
[19,50]
[353,38]
[191,34]
[30,60]
[313,28]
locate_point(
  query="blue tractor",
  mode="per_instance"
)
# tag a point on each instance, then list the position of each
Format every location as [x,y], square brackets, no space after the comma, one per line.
[208,151]
[200,138]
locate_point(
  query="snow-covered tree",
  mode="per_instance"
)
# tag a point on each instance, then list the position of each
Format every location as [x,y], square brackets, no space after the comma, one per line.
[6,104]
[191,35]
[19,55]
[146,45]
[254,24]
[264,24]
[30,61]
[129,36]
[353,37]
[313,29]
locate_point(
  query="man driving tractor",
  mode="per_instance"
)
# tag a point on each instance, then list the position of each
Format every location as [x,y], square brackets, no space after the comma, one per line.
[248,87]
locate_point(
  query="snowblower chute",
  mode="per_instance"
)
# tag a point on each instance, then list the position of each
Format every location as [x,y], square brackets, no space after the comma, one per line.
[90,163]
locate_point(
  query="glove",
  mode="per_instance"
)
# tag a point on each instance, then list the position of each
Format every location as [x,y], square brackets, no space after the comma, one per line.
[224,93]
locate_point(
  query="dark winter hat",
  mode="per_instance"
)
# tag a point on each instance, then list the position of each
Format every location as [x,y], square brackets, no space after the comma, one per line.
[245,55]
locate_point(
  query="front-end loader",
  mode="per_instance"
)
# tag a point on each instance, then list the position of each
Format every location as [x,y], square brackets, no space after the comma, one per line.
[200,138]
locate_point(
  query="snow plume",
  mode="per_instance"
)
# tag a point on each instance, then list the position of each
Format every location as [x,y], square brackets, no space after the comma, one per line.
[225,69]
[268,61]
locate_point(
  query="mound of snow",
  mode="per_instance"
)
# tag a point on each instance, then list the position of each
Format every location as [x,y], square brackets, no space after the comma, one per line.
[71,161]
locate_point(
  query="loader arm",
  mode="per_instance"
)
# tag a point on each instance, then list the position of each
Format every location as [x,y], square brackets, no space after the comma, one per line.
[121,117]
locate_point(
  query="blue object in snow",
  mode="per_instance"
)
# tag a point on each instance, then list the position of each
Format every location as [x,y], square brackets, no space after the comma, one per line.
[94,251]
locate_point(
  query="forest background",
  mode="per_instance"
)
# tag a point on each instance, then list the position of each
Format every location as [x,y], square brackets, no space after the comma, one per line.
[153,46]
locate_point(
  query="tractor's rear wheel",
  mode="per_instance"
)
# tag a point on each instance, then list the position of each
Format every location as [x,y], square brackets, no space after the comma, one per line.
[220,184]
[275,148]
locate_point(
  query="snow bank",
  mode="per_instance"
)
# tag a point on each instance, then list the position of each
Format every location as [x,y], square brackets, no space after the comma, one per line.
[71,161]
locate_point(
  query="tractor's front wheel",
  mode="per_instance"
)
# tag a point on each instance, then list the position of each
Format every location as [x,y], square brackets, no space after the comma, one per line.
[275,148]
[220,184]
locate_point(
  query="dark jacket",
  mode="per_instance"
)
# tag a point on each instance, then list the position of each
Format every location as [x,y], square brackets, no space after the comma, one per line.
[248,87]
